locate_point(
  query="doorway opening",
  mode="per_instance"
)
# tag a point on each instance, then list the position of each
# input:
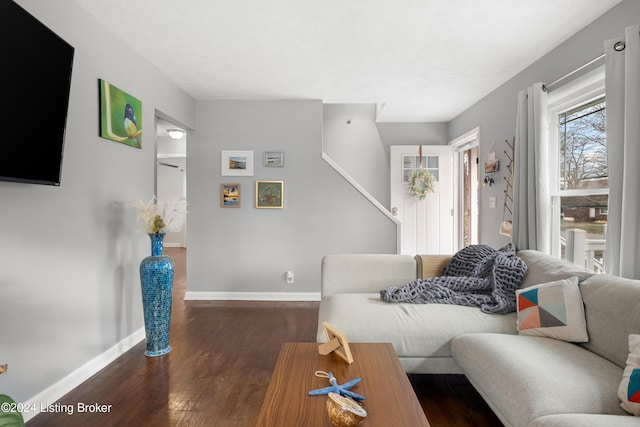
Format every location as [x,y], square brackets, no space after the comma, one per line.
[469,195]
[467,208]
[171,170]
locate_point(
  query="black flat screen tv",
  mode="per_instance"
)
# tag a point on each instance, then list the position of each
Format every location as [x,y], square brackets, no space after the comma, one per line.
[37,65]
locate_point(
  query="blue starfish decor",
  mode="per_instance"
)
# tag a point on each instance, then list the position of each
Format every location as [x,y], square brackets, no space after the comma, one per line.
[342,389]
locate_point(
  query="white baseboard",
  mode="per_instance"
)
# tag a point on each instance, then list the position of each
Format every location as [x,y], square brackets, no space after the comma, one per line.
[252,296]
[54,392]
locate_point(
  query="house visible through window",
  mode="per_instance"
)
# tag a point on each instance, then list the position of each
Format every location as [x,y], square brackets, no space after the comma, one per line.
[583,184]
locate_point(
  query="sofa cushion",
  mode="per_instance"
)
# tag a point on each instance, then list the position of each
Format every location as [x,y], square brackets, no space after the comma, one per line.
[611,307]
[431,265]
[585,420]
[365,272]
[629,390]
[524,377]
[415,330]
[553,310]
[543,268]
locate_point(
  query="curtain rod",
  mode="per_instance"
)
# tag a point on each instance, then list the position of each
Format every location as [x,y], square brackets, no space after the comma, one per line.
[570,73]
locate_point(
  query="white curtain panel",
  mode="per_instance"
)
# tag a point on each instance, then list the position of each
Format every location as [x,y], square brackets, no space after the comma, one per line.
[622,85]
[531,203]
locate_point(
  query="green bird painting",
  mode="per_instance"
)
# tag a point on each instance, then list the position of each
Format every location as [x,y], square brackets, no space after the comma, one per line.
[130,125]
[118,120]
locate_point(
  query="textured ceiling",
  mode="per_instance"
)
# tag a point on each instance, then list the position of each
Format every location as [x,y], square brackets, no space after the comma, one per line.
[425,60]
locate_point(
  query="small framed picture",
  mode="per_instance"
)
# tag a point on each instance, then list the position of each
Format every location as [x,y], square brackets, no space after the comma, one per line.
[273,159]
[230,195]
[270,194]
[492,165]
[336,342]
[237,163]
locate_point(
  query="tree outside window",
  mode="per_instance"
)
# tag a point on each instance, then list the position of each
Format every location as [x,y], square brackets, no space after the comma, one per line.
[584,180]
[583,147]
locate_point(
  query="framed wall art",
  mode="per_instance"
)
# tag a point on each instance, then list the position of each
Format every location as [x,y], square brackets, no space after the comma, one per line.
[270,194]
[273,159]
[230,195]
[237,163]
[120,115]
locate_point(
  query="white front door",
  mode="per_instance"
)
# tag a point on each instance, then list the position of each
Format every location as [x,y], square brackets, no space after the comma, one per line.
[427,225]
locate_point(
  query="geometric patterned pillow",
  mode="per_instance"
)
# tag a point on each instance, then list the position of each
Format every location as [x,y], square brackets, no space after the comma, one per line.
[629,389]
[553,310]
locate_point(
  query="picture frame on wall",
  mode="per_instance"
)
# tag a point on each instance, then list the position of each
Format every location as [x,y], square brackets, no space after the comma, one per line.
[229,195]
[237,163]
[120,115]
[273,159]
[269,194]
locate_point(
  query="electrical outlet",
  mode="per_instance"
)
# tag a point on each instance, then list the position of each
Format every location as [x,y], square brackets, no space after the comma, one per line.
[289,276]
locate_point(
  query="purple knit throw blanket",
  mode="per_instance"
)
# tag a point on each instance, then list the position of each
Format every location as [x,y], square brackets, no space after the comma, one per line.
[477,276]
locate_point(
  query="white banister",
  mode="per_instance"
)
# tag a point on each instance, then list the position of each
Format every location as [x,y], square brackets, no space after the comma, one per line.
[582,251]
[576,246]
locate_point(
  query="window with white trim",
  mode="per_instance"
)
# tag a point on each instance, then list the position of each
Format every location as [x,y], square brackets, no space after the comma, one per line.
[411,163]
[580,184]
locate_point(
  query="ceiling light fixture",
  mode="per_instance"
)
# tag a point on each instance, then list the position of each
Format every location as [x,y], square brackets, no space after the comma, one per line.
[175,133]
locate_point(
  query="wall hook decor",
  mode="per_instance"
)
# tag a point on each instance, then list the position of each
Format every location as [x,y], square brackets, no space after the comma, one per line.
[506,225]
[491,166]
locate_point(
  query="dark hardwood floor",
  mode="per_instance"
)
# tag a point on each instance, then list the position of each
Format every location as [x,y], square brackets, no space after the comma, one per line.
[218,371]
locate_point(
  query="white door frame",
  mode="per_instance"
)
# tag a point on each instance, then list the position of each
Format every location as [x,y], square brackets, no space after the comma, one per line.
[460,144]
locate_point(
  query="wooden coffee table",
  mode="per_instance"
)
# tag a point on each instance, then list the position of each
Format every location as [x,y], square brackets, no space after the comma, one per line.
[390,400]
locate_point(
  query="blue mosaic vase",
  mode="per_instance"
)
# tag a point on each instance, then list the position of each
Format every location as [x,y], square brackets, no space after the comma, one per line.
[156,275]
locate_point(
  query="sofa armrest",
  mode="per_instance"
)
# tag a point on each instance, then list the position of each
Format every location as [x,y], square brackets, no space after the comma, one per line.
[365,273]
[431,265]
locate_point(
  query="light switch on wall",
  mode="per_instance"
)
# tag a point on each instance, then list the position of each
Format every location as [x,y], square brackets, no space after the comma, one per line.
[492,202]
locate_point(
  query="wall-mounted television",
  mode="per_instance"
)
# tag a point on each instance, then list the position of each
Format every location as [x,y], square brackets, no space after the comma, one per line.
[36,65]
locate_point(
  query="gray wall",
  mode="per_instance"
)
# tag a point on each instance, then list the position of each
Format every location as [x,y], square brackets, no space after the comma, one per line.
[496,113]
[70,254]
[361,147]
[248,249]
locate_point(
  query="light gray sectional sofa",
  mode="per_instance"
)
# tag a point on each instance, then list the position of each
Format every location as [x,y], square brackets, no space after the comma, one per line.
[526,380]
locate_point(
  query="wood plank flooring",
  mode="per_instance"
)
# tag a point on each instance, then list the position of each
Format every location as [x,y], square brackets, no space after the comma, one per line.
[218,371]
